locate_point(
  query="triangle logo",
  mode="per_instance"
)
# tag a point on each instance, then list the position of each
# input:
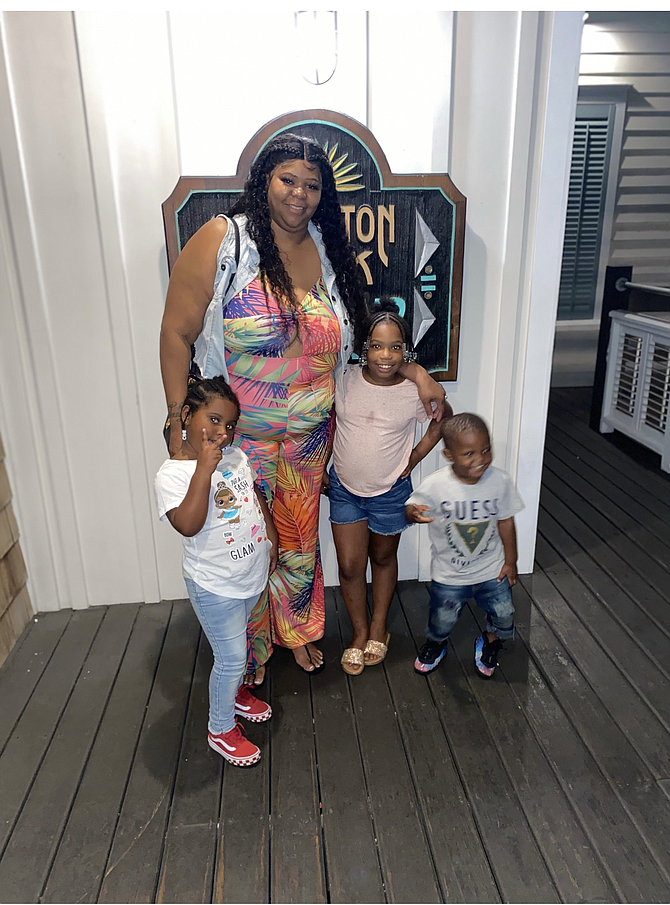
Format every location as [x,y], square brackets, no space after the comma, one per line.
[471,535]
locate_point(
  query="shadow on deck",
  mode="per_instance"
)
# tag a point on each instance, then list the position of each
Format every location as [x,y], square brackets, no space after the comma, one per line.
[550,783]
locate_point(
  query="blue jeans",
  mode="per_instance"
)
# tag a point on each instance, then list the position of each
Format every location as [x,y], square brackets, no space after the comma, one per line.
[447,601]
[224,621]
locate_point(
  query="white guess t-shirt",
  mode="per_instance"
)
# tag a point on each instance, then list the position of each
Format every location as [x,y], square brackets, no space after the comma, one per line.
[465,543]
[230,555]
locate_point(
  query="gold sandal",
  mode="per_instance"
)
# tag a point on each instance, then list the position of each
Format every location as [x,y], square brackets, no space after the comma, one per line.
[353,661]
[379,649]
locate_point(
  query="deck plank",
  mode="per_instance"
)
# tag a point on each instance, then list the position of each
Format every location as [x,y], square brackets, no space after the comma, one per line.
[23,668]
[556,545]
[354,873]
[629,777]
[610,533]
[34,731]
[297,855]
[404,850]
[634,872]
[131,874]
[620,472]
[78,868]
[629,644]
[561,837]
[243,850]
[187,864]
[627,706]
[460,858]
[30,851]
[583,456]
[641,528]
[606,559]
[516,861]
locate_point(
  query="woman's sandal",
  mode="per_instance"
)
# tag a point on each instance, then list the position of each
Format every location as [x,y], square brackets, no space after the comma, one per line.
[353,661]
[379,649]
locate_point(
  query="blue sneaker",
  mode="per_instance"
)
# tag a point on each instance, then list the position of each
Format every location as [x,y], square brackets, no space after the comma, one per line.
[430,656]
[486,655]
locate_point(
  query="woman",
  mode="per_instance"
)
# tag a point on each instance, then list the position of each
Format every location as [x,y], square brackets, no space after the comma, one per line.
[281,333]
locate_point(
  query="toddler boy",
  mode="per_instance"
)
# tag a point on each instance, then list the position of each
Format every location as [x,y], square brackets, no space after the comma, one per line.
[473,542]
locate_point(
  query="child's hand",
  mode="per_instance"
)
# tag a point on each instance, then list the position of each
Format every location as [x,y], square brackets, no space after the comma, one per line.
[273,537]
[509,571]
[209,455]
[415,513]
[325,484]
[274,553]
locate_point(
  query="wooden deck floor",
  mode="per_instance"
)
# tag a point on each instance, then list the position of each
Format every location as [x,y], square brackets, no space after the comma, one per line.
[549,784]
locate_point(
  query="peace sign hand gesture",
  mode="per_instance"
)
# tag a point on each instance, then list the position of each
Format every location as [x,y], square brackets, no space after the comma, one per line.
[209,455]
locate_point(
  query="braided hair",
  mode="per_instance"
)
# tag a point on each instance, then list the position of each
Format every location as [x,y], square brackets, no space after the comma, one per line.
[201,391]
[328,217]
[384,310]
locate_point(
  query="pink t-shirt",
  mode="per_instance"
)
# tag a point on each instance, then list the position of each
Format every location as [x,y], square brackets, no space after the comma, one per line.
[374,436]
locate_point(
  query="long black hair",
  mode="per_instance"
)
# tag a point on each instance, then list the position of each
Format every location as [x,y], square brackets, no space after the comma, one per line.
[328,217]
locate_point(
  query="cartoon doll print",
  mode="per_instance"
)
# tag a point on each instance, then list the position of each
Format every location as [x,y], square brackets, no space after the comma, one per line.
[226,501]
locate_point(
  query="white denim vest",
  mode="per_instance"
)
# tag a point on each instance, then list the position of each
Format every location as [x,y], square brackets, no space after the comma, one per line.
[209,347]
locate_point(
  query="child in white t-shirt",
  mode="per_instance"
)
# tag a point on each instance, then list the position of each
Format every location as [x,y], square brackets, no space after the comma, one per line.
[369,482]
[207,492]
[473,542]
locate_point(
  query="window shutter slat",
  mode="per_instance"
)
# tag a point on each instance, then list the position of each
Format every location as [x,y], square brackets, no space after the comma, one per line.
[583,228]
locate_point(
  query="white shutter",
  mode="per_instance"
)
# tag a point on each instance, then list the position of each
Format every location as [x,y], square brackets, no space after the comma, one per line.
[584,217]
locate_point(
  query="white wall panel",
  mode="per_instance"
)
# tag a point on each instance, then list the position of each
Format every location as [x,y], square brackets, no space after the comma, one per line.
[483,105]
[560,39]
[410,104]
[127,85]
[236,69]
[54,219]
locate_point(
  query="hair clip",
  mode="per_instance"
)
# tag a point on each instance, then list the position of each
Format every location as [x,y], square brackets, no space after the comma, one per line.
[363,360]
[407,355]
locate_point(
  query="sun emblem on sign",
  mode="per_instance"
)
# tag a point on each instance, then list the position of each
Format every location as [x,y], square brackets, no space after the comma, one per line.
[345,179]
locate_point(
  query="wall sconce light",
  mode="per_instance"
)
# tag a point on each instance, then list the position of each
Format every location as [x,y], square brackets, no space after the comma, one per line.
[316,41]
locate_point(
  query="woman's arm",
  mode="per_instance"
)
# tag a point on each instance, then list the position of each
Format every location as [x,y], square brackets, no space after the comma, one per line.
[189,293]
[429,390]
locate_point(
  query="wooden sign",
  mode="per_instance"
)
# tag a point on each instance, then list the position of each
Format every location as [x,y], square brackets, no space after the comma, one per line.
[407,230]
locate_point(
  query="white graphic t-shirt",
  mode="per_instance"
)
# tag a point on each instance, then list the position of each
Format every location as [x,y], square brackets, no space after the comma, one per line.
[465,543]
[230,555]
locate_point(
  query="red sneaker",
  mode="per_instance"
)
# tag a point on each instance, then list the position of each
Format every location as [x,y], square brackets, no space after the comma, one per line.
[250,707]
[235,747]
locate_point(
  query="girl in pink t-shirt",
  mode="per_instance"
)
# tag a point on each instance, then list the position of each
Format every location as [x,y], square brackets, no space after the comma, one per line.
[369,481]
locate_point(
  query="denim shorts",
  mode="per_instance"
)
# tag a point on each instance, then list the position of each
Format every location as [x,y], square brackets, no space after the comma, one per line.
[385,514]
